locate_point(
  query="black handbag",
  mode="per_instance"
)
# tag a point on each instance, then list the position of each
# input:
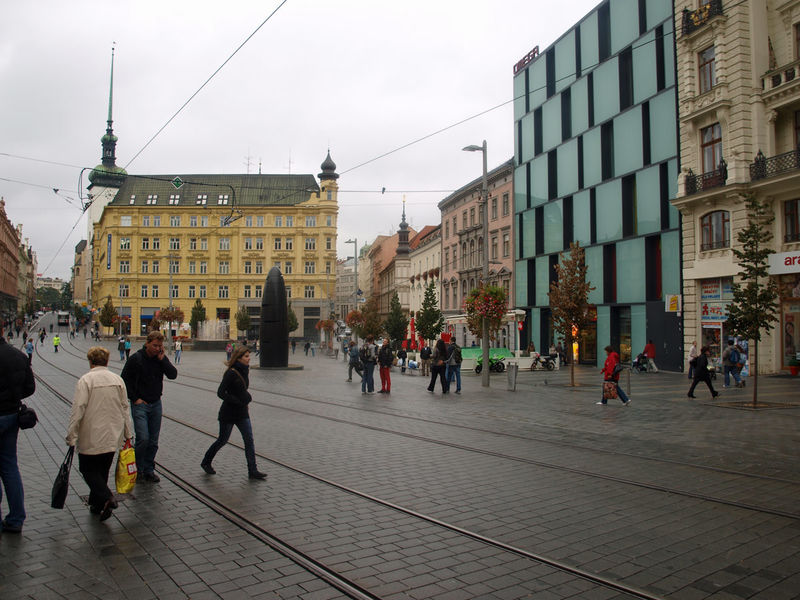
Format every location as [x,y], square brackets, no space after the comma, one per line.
[26,417]
[61,484]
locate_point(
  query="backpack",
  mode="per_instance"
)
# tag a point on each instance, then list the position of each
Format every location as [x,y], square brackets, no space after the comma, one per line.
[363,353]
[734,357]
[457,354]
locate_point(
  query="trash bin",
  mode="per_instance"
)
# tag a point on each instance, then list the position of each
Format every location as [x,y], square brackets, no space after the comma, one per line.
[512,369]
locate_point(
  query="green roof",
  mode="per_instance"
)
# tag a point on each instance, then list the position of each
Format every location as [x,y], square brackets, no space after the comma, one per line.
[243,190]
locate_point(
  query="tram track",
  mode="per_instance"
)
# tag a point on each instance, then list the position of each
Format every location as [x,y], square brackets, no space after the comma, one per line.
[343,584]
[525,460]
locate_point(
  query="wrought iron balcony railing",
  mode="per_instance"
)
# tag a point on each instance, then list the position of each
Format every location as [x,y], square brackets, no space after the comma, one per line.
[695,19]
[705,181]
[763,167]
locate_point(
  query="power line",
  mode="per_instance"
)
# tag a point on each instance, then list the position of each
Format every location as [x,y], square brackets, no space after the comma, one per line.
[135,156]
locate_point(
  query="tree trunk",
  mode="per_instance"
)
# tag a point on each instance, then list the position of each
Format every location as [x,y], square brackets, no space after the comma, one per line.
[568,352]
[754,372]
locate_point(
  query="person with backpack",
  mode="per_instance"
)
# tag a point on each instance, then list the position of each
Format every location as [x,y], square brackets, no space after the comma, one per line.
[368,355]
[385,359]
[354,362]
[454,365]
[425,354]
[731,358]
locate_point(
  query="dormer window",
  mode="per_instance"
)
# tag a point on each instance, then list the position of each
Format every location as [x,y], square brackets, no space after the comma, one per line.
[152,198]
[174,199]
[133,199]
[222,199]
[202,199]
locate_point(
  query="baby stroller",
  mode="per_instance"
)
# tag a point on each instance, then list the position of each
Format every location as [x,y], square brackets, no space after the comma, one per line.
[639,364]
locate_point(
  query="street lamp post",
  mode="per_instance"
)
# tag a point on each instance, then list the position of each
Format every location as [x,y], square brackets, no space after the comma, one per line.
[354,241]
[485,273]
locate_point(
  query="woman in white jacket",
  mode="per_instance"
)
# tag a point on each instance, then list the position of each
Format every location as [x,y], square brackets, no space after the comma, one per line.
[99,423]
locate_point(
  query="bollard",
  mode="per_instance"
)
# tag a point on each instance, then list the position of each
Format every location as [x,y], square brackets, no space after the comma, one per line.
[628,376]
[512,369]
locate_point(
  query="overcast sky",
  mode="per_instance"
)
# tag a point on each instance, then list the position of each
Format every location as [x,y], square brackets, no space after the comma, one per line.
[361,77]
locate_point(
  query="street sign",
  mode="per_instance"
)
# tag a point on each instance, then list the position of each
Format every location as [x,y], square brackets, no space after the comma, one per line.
[362,300]
[177,182]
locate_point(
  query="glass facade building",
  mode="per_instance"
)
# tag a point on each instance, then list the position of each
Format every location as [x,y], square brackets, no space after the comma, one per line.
[596,162]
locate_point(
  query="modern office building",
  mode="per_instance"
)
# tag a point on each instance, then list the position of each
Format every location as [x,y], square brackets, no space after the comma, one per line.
[596,162]
[739,109]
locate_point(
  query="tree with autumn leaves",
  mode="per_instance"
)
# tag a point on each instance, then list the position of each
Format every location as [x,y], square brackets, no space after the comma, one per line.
[569,298]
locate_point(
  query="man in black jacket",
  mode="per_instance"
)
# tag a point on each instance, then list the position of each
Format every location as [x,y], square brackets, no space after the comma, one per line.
[144,379]
[18,383]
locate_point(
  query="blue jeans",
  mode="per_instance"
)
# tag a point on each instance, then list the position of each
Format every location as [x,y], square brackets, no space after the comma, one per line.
[147,425]
[454,373]
[620,394]
[368,379]
[731,370]
[178,356]
[246,429]
[9,471]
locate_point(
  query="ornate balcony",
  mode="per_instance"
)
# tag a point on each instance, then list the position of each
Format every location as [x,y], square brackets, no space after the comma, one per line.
[764,167]
[706,181]
[780,76]
[694,20]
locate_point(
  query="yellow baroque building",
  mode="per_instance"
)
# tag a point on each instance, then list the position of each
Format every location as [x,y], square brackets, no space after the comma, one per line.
[173,239]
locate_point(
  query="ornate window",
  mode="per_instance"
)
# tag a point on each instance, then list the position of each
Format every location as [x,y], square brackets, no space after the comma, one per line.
[711,145]
[791,221]
[715,230]
[707,70]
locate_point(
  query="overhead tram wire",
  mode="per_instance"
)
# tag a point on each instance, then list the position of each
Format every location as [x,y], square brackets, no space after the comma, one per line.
[135,156]
[493,108]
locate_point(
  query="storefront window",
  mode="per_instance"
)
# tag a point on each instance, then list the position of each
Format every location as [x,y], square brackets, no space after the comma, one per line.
[715,297]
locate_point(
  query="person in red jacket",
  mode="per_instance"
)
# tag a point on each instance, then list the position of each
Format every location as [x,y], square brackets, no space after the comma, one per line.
[611,377]
[650,353]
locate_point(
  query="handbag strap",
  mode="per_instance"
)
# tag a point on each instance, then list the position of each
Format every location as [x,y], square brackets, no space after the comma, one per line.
[240,376]
[68,458]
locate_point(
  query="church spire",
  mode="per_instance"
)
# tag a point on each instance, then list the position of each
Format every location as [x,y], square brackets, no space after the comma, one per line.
[402,233]
[108,173]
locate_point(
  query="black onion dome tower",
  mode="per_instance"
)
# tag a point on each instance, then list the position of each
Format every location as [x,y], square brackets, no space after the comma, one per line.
[328,169]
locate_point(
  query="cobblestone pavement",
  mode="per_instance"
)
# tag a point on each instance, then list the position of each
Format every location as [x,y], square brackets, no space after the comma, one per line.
[682,498]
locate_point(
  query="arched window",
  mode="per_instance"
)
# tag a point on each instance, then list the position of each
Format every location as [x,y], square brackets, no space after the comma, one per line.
[715,230]
[471,252]
[480,251]
[464,255]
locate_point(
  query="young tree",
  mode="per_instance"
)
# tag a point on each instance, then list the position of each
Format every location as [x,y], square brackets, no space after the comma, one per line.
[755,295]
[396,323]
[66,296]
[569,298]
[430,322]
[292,319]
[198,316]
[242,319]
[372,319]
[108,314]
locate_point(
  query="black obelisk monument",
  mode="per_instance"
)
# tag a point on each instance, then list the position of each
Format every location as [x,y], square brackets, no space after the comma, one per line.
[274,336]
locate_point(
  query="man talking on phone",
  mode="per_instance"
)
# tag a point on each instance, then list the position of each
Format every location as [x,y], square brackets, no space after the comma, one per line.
[144,379]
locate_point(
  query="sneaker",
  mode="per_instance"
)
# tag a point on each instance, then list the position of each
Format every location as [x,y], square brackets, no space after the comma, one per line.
[256,475]
[603,403]
[348,380]
[628,402]
[208,468]
[691,395]
[725,386]
[458,391]
[151,477]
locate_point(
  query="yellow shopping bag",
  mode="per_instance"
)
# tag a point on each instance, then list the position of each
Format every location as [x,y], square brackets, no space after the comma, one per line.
[126,469]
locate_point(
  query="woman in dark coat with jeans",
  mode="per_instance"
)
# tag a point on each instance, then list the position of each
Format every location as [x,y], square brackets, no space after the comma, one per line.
[438,367]
[235,398]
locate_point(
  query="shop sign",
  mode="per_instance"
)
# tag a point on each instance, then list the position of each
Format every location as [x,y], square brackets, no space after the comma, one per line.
[713,312]
[781,263]
[673,303]
[710,289]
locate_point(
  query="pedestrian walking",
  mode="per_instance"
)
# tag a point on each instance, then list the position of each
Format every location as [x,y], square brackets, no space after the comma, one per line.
[730,365]
[425,354]
[611,371]
[693,354]
[453,364]
[368,355]
[701,373]
[25,336]
[144,379]
[84,332]
[385,359]
[235,398]
[127,347]
[121,347]
[56,342]
[29,350]
[228,351]
[294,345]
[99,423]
[402,356]
[178,351]
[650,352]
[438,367]
[42,335]
[18,383]
[353,363]
[307,347]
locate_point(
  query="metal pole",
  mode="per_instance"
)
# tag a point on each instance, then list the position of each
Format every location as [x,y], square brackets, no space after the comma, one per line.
[485,214]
